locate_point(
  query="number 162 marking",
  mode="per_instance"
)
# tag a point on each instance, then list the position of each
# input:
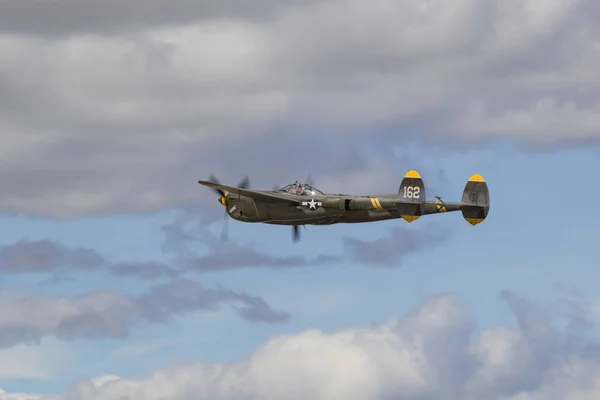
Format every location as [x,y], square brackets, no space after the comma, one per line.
[412,192]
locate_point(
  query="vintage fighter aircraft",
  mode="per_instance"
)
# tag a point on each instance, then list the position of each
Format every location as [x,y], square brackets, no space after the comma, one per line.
[300,204]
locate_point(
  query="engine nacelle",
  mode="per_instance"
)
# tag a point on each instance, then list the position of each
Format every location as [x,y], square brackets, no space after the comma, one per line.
[241,208]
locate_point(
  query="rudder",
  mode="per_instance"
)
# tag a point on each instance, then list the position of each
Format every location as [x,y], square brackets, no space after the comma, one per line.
[412,193]
[475,200]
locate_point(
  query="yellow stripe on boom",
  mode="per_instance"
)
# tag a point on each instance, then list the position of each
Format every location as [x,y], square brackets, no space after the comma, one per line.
[412,174]
[441,207]
[376,203]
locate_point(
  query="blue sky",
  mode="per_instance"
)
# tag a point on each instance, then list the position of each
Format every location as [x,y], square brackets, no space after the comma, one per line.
[110,258]
[534,238]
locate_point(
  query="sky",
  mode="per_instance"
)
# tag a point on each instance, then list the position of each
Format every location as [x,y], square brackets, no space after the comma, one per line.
[115,283]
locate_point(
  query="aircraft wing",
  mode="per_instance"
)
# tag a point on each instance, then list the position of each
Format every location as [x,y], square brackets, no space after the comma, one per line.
[267,197]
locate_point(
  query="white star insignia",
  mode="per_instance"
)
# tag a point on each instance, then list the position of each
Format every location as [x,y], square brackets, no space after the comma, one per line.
[312,204]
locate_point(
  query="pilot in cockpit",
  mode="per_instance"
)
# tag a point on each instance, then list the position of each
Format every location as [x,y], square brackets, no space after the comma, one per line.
[295,188]
[299,188]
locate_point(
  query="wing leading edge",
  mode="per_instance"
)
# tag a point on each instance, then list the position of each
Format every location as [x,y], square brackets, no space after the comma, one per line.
[253,194]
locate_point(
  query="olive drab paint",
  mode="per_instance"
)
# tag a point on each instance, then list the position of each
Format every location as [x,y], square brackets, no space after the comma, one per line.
[300,204]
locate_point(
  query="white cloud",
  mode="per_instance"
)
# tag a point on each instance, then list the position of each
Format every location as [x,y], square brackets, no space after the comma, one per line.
[19,396]
[112,314]
[427,354]
[128,121]
[544,122]
[40,360]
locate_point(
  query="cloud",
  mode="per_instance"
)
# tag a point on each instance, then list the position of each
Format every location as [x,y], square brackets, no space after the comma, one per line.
[394,247]
[112,314]
[186,234]
[181,241]
[27,361]
[127,118]
[67,17]
[46,256]
[24,396]
[543,122]
[233,256]
[431,352]
[34,256]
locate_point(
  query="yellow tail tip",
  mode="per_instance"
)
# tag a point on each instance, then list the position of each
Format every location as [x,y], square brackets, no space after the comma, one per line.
[410,218]
[474,221]
[476,178]
[412,174]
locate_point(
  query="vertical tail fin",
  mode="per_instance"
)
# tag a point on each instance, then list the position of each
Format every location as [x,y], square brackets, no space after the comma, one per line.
[412,193]
[475,200]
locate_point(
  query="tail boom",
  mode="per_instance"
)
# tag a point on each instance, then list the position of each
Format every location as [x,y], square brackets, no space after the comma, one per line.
[474,206]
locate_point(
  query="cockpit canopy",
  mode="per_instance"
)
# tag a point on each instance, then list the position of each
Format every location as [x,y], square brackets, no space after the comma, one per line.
[300,188]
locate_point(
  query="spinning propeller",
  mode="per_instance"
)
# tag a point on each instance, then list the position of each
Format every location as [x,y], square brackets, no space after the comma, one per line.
[244,184]
[296,228]
[296,233]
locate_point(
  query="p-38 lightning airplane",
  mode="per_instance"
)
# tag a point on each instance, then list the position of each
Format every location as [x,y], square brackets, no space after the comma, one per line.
[302,204]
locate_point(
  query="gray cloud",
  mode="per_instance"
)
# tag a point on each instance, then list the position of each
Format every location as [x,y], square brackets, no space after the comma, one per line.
[108,313]
[127,121]
[234,256]
[181,242]
[64,17]
[389,251]
[45,256]
[432,352]
[395,246]
[40,256]
[143,269]
[186,233]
